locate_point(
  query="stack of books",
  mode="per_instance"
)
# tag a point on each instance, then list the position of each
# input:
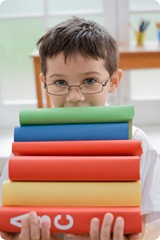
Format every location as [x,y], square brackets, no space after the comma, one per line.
[72,164]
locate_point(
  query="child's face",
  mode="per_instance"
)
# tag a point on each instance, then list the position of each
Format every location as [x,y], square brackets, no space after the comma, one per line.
[76,71]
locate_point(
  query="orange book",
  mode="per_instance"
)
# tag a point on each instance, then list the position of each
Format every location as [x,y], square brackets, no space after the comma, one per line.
[74,168]
[69,220]
[81,148]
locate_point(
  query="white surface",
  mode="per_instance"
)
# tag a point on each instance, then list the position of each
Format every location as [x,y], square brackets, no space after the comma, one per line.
[6,139]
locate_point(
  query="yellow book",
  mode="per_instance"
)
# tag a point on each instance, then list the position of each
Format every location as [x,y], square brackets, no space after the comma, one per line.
[71,194]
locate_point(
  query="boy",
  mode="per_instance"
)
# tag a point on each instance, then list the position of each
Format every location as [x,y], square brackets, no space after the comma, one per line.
[79,65]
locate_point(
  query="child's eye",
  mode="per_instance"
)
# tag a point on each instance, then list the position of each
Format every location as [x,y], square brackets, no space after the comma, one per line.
[60,83]
[89,81]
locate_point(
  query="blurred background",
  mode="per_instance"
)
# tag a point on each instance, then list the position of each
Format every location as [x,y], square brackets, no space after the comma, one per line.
[23,22]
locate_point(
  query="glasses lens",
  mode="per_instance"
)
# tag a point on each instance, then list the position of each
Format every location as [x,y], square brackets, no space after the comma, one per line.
[86,88]
[91,88]
[57,90]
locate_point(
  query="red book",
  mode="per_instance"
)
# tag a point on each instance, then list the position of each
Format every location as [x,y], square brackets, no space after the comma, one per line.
[69,220]
[74,168]
[85,148]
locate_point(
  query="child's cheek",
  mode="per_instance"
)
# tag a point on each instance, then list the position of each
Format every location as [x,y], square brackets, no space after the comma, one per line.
[57,101]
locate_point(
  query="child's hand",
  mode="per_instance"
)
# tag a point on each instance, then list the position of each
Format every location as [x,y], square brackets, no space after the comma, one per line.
[105,232]
[31,230]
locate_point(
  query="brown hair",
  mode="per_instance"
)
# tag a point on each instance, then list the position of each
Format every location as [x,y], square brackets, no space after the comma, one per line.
[79,36]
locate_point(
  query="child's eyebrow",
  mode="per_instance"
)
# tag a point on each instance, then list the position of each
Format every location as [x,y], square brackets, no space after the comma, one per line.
[91,72]
[57,75]
[82,74]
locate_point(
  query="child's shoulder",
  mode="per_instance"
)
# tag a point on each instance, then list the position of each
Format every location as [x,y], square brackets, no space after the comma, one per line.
[139,134]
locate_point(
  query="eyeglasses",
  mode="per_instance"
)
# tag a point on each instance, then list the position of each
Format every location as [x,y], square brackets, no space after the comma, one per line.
[61,87]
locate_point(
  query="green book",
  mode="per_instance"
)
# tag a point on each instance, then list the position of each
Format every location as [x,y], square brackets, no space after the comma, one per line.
[95,114]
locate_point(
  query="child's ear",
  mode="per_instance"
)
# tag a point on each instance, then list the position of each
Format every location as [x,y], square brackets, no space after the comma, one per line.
[115,80]
[42,77]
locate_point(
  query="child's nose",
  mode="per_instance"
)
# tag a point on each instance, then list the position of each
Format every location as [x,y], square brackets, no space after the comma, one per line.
[75,94]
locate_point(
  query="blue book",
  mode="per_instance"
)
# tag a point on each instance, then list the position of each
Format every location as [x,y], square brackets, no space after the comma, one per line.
[69,132]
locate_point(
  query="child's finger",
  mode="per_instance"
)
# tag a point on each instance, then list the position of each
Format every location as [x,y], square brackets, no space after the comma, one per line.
[24,234]
[3,235]
[35,231]
[9,236]
[94,229]
[118,231]
[106,227]
[45,230]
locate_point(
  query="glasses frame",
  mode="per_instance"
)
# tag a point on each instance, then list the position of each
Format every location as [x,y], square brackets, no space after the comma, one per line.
[78,86]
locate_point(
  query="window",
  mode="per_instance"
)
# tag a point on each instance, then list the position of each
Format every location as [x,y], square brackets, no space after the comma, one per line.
[23,22]
[143,86]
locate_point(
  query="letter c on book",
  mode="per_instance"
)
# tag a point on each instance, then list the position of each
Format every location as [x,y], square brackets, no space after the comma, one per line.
[63,227]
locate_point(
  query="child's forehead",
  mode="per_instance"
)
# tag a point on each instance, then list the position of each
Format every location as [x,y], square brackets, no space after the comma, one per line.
[73,68]
[74,59]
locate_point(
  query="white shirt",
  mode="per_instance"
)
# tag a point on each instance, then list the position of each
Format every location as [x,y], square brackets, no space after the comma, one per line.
[149,172]
[150,177]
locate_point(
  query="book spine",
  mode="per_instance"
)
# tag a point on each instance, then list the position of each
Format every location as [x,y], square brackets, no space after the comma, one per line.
[80,148]
[69,220]
[74,168]
[76,115]
[74,194]
[73,132]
